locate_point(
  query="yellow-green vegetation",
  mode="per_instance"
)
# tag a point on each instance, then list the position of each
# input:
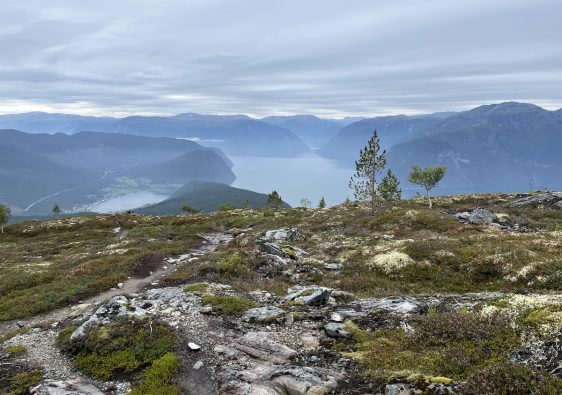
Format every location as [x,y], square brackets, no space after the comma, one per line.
[123,347]
[452,345]
[16,349]
[49,264]
[44,265]
[20,383]
[158,379]
[228,305]
[196,287]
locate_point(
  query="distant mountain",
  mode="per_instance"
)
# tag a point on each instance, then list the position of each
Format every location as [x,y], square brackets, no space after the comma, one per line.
[392,130]
[202,164]
[312,130]
[42,122]
[206,196]
[498,147]
[37,170]
[235,134]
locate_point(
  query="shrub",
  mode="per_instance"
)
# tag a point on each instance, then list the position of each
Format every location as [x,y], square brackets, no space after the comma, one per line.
[22,382]
[233,265]
[124,346]
[16,349]
[511,379]
[196,287]
[228,305]
[158,379]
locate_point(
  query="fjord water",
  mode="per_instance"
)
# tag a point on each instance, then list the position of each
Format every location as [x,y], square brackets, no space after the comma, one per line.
[310,176]
[129,201]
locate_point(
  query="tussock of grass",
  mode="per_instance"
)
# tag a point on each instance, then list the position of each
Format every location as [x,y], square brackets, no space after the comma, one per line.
[158,379]
[228,305]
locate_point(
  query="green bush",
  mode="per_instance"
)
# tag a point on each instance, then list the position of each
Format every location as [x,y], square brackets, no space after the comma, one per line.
[158,379]
[124,346]
[233,265]
[228,305]
[511,380]
[22,382]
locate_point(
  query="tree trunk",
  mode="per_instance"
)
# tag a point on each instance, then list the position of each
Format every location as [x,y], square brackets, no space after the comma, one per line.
[2,227]
[429,198]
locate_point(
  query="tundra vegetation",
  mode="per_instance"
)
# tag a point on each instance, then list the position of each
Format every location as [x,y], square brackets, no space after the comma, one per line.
[404,249]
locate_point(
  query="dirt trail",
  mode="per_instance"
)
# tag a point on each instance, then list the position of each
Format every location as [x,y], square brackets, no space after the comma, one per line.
[133,285]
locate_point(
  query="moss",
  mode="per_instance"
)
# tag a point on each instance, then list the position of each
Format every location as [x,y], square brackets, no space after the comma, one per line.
[22,382]
[158,379]
[196,287]
[16,349]
[234,265]
[511,379]
[228,305]
[122,347]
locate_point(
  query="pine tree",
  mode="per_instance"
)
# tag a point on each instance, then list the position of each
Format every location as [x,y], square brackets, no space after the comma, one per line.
[389,187]
[427,178]
[274,200]
[56,209]
[322,203]
[371,162]
[189,210]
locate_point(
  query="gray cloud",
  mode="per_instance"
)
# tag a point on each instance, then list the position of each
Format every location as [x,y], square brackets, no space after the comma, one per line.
[259,57]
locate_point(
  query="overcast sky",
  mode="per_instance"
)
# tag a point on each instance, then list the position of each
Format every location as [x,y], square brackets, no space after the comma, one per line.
[258,57]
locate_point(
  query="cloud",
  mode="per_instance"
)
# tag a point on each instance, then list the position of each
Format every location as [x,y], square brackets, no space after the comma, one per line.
[326,57]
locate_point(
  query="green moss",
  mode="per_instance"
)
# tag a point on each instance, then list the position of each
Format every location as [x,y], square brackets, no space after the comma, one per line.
[158,379]
[228,305]
[22,382]
[124,346]
[16,349]
[196,288]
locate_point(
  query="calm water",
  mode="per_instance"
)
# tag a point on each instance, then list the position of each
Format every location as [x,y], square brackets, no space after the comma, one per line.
[308,177]
[129,201]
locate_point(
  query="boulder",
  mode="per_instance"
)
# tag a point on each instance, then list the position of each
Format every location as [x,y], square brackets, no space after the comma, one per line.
[281,235]
[481,216]
[71,387]
[400,305]
[263,314]
[335,329]
[332,266]
[312,296]
[542,198]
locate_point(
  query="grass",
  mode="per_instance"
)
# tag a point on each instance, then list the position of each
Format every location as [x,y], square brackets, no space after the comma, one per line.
[158,379]
[228,305]
[123,347]
[45,265]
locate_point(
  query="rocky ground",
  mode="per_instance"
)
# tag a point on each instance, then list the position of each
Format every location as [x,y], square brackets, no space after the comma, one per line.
[317,302]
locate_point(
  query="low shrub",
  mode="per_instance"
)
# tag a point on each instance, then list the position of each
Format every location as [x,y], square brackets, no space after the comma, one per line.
[228,305]
[158,379]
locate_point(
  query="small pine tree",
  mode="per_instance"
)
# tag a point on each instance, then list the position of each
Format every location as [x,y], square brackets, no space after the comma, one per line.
[4,216]
[427,178]
[274,200]
[56,209]
[389,187]
[246,204]
[190,210]
[371,162]
[322,203]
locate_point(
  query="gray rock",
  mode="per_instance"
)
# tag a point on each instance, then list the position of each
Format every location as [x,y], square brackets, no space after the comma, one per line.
[71,387]
[263,314]
[334,329]
[399,305]
[274,249]
[481,216]
[336,317]
[396,389]
[193,347]
[464,216]
[282,234]
[332,266]
[542,198]
[198,365]
[313,296]
[558,205]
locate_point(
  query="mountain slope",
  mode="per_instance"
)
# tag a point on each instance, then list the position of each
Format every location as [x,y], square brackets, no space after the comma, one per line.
[392,130]
[507,146]
[206,196]
[202,164]
[42,122]
[312,130]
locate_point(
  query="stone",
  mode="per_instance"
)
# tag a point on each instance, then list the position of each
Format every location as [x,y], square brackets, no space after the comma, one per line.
[193,347]
[336,317]
[481,216]
[312,296]
[70,387]
[263,314]
[198,365]
[558,205]
[396,389]
[464,216]
[282,234]
[22,323]
[334,329]
[332,266]
[120,285]
[399,305]
[542,198]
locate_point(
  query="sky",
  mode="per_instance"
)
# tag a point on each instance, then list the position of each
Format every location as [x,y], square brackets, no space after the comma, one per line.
[324,57]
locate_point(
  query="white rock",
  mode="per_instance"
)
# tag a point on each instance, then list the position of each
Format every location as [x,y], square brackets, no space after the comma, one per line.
[120,285]
[193,346]
[198,365]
